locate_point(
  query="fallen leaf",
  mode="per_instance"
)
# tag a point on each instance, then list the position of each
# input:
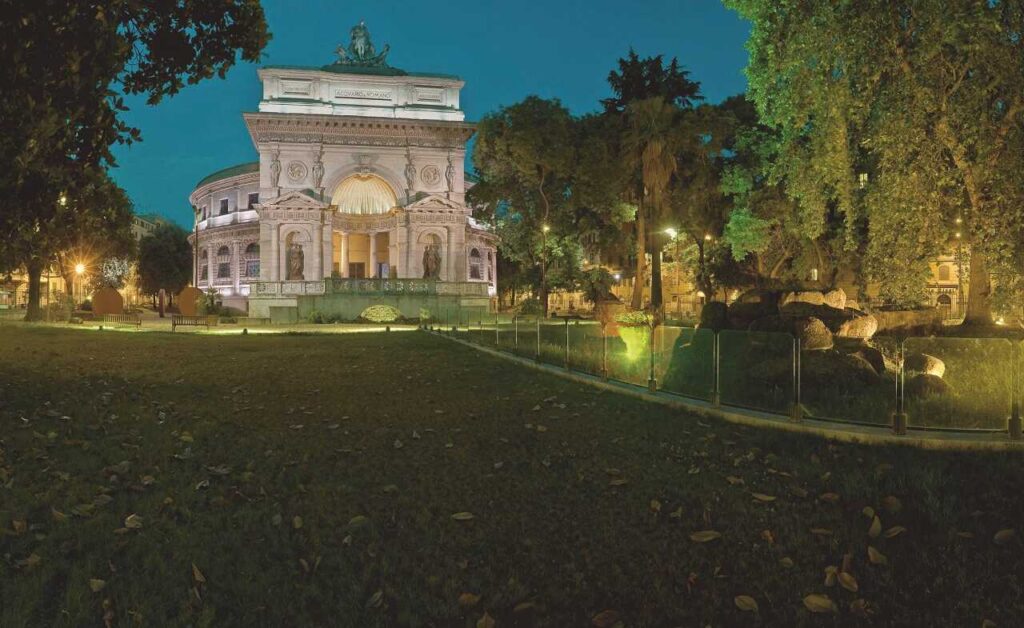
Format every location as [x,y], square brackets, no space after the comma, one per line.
[830,576]
[1004,536]
[848,582]
[357,521]
[618,482]
[831,498]
[485,622]
[786,561]
[876,557]
[375,599]
[704,536]
[296,522]
[761,497]
[868,512]
[655,506]
[197,575]
[817,603]
[745,603]
[462,516]
[894,531]
[467,600]
[892,503]
[133,522]
[607,619]
[96,585]
[677,513]
[876,528]
[860,608]
[732,479]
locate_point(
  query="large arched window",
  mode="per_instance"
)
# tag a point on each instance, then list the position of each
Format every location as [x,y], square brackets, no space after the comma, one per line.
[364,194]
[252,260]
[223,263]
[474,264]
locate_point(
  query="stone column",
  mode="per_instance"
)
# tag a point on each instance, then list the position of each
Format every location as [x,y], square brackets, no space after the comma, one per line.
[318,252]
[373,255]
[275,246]
[450,273]
[266,250]
[327,252]
[344,254]
[236,259]
[211,264]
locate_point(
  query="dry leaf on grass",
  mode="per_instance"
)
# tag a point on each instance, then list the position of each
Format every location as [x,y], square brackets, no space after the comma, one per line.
[704,536]
[817,603]
[745,603]
[462,516]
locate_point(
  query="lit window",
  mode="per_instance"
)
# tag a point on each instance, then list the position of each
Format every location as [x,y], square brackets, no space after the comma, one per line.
[223,206]
[252,260]
[474,265]
[223,263]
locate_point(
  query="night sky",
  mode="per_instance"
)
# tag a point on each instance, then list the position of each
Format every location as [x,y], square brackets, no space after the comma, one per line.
[504,50]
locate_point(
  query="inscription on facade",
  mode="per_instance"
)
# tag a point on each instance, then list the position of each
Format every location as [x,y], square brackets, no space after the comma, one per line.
[363,94]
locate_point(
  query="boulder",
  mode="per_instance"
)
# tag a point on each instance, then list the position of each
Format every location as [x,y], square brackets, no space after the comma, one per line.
[759,295]
[741,314]
[810,296]
[863,326]
[908,322]
[873,357]
[835,298]
[774,323]
[853,305]
[813,334]
[714,315]
[819,369]
[925,385]
[832,317]
[924,363]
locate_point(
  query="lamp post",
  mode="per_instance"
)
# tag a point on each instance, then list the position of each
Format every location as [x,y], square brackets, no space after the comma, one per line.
[544,268]
[79,269]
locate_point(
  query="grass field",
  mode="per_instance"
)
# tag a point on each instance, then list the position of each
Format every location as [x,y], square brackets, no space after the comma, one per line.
[305,480]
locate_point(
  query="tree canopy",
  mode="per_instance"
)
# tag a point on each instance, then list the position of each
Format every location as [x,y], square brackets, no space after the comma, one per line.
[165,260]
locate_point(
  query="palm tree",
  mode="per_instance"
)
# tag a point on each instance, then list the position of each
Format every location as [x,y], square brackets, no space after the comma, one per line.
[650,144]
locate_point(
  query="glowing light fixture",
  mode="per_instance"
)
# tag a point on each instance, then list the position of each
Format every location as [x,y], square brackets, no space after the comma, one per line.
[545,228]
[79,268]
[672,233]
[707,237]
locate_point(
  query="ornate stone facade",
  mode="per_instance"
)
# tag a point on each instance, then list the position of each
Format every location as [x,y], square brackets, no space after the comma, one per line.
[360,175]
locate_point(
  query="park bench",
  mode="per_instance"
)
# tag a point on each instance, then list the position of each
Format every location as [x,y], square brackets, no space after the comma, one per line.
[193,321]
[122,319]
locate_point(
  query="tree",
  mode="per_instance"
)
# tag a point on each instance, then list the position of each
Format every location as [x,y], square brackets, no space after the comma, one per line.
[165,260]
[524,157]
[926,99]
[646,80]
[66,68]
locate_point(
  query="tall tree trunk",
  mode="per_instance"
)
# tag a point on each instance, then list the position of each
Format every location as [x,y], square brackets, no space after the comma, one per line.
[656,296]
[979,291]
[636,302]
[35,272]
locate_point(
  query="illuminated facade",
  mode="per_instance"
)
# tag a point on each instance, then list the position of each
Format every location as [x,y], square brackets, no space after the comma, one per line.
[360,175]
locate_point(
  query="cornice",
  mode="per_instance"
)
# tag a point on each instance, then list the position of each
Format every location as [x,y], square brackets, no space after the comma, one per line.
[357,130]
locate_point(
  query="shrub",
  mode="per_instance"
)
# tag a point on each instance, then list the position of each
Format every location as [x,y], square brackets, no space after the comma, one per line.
[335,318]
[530,306]
[87,305]
[381,314]
[636,318]
[317,317]
[424,315]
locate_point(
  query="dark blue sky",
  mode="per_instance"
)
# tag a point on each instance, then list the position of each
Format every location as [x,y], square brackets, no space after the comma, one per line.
[503,49]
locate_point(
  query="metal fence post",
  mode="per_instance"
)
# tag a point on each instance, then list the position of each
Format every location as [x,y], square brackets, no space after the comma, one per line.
[497,338]
[604,353]
[652,382]
[567,343]
[536,356]
[515,332]
[899,417]
[796,412]
[1013,425]
[716,390]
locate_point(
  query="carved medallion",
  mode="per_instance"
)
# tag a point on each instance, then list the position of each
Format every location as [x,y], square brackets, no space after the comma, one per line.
[430,175]
[297,170]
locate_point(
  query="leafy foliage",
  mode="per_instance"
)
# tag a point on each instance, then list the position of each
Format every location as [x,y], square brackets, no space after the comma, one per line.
[165,260]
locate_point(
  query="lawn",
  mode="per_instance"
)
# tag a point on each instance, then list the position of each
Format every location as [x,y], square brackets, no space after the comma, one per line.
[399,479]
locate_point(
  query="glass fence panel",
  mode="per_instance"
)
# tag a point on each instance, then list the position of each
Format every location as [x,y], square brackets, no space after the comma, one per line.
[586,347]
[687,362]
[756,370]
[524,340]
[552,342]
[629,353]
[855,382]
[961,383]
[506,333]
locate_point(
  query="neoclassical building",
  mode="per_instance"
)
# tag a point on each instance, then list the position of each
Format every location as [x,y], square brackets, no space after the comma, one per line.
[359,188]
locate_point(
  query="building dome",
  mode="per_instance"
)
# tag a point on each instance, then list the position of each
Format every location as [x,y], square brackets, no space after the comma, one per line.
[364,194]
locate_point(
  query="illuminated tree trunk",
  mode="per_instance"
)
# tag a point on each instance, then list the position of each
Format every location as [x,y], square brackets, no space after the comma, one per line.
[656,296]
[35,272]
[641,259]
[979,291]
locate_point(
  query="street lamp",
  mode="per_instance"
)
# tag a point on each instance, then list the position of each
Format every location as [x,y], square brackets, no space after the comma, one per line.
[672,233]
[79,269]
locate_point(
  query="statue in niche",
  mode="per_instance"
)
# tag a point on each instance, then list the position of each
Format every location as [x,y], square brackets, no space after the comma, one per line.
[449,174]
[296,262]
[275,170]
[432,262]
[318,169]
[360,50]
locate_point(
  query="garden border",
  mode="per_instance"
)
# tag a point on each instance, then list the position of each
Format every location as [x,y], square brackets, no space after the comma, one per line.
[852,433]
